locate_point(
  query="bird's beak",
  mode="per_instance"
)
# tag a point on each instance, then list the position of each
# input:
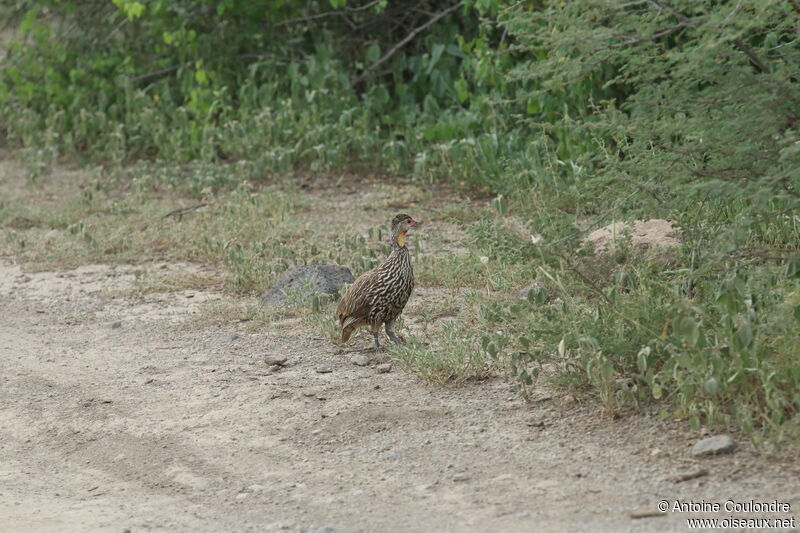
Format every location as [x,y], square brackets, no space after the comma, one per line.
[415,224]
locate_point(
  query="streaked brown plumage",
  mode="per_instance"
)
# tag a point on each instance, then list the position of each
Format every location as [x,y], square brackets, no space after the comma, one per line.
[378,296]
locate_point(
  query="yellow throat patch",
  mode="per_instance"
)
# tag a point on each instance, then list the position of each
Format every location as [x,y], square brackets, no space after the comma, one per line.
[401,239]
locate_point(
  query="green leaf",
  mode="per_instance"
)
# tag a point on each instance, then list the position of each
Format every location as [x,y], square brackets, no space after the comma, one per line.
[745,334]
[641,359]
[462,90]
[435,55]
[793,269]
[607,370]
[373,53]
[686,329]
[657,391]
[491,349]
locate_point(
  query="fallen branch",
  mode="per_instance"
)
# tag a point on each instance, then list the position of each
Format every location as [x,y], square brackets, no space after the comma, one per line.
[688,476]
[183,210]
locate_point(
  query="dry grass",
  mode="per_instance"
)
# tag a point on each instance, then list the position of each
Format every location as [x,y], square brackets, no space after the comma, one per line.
[242,239]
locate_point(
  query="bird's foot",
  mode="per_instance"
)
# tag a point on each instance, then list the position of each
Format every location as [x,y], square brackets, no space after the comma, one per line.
[397,339]
[376,350]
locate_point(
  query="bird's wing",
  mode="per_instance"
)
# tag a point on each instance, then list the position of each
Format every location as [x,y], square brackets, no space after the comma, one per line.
[356,301]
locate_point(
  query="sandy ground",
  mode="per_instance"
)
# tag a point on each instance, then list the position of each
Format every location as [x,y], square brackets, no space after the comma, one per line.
[160,426]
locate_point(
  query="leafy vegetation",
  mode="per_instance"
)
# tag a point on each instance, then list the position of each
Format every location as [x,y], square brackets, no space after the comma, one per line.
[572,115]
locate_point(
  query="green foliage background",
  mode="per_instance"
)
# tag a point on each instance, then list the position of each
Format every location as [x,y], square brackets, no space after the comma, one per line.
[579,113]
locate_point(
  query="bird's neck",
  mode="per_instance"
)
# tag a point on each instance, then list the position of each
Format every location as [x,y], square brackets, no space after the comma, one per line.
[399,241]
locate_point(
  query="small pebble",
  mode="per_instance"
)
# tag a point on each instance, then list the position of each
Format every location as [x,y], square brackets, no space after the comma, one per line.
[279,360]
[324,370]
[114,324]
[360,360]
[384,368]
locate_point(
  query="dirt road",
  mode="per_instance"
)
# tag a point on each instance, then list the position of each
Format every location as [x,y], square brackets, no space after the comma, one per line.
[158,426]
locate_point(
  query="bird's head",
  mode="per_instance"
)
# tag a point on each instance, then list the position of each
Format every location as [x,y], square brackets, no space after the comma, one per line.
[400,226]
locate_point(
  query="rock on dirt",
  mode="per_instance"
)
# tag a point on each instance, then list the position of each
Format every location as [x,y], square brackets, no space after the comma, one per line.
[713,446]
[655,235]
[360,360]
[384,368]
[325,279]
[278,360]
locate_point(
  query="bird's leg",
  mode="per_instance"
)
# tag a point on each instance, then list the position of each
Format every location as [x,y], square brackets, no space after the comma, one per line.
[390,332]
[375,332]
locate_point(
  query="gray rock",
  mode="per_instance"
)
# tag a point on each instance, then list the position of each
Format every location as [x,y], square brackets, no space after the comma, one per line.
[384,368]
[279,360]
[713,446]
[327,529]
[114,324]
[324,369]
[360,360]
[523,292]
[325,279]
[461,476]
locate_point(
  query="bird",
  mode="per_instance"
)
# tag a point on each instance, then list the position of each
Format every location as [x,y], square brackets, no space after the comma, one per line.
[379,295]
